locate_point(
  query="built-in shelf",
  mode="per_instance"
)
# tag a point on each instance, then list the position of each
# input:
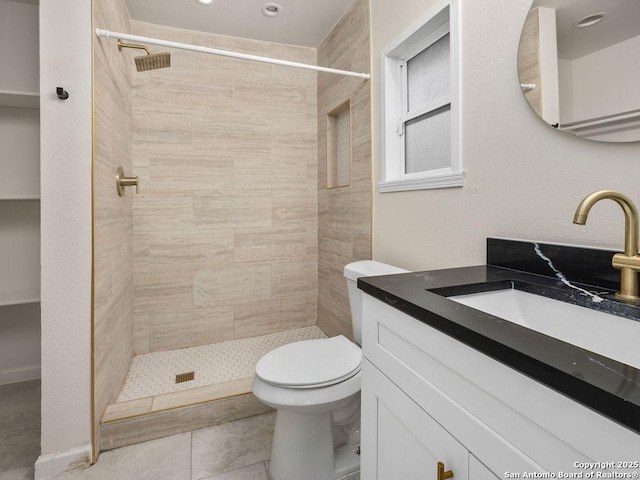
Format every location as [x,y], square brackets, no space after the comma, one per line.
[605,124]
[19,298]
[20,337]
[14,99]
[18,197]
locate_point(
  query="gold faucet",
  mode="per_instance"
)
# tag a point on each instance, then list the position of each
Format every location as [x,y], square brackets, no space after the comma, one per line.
[628,262]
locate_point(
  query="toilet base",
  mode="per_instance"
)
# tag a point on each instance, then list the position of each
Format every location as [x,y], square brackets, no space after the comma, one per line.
[303,448]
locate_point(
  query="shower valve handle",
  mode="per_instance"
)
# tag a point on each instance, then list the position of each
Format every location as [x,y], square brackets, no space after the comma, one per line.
[122,181]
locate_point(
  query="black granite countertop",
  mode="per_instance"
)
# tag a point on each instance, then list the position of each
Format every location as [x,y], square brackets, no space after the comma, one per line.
[603,384]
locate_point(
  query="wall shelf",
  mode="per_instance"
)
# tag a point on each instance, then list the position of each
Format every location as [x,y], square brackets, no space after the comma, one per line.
[605,124]
[7,198]
[14,99]
[19,298]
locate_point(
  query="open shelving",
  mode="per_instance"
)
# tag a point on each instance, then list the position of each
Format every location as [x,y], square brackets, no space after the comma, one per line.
[19,298]
[15,99]
[19,193]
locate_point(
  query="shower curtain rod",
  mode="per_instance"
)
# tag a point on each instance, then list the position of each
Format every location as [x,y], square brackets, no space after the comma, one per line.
[214,51]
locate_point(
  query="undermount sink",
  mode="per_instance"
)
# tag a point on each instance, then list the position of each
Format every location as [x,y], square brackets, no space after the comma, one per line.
[603,333]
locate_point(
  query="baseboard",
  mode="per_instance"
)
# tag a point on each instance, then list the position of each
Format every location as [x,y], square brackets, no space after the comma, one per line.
[48,466]
[31,372]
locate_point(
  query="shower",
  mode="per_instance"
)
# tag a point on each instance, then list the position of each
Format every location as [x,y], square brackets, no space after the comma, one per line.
[150,61]
[222,255]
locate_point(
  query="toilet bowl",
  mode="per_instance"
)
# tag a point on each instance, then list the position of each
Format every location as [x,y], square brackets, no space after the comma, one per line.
[314,385]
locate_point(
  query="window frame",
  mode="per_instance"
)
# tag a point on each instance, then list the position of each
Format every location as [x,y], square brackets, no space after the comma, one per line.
[440,20]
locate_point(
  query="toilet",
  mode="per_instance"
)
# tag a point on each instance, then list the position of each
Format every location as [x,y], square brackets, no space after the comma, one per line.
[315,387]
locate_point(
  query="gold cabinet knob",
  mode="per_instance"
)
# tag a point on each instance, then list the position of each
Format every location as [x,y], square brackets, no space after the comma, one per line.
[442,474]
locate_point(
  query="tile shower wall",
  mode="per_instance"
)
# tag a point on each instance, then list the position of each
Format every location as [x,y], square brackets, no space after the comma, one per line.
[113,215]
[225,224]
[344,214]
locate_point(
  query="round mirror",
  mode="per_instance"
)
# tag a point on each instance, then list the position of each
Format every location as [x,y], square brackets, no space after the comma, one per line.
[579,67]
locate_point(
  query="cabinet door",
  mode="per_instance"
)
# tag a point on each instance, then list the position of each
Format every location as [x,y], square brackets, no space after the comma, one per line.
[478,471]
[400,440]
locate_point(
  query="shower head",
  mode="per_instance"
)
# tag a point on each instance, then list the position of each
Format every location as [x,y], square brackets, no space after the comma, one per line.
[150,61]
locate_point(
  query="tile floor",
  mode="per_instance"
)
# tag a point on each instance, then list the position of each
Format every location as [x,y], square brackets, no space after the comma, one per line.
[233,451]
[154,373]
[19,429]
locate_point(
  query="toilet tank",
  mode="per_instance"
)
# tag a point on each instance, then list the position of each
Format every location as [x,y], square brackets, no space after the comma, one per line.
[355,270]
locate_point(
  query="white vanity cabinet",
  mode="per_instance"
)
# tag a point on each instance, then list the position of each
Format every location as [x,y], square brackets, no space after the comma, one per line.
[410,443]
[428,398]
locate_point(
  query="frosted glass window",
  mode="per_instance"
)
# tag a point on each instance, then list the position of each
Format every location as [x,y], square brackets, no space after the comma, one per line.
[420,105]
[428,141]
[428,75]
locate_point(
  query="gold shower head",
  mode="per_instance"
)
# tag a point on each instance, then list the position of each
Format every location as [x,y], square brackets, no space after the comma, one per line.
[150,61]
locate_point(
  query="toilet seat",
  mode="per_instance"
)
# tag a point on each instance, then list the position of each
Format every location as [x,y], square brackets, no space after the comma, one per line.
[310,363]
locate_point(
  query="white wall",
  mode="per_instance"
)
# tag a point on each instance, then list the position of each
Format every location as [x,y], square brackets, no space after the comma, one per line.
[594,74]
[524,179]
[65,61]
[565,83]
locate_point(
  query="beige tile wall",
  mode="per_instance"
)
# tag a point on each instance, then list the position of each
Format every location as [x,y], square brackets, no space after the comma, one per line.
[113,215]
[225,225]
[344,214]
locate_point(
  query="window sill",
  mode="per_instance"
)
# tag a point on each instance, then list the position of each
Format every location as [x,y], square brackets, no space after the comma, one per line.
[448,180]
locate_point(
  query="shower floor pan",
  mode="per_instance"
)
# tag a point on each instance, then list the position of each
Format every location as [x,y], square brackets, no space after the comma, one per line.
[152,405]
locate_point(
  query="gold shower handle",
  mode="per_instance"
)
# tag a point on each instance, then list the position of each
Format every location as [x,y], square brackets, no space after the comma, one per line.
[122,181]
[442,474]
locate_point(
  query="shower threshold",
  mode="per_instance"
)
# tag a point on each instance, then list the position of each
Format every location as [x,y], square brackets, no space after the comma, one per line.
[152,405]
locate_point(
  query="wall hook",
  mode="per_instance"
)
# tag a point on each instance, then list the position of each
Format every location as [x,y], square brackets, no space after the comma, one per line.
[62,93]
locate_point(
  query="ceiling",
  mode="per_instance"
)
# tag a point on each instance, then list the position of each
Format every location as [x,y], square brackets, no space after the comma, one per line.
[300,22]
[622,23]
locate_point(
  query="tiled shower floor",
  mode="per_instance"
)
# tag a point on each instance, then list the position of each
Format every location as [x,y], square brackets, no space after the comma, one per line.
[155,373]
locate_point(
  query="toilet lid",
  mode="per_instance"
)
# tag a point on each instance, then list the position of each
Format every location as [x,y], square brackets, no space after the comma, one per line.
[310,363]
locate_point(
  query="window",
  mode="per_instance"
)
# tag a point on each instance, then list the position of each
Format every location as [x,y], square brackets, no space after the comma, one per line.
[420,106]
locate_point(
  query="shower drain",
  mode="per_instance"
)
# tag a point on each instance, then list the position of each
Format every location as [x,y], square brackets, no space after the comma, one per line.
[185,377]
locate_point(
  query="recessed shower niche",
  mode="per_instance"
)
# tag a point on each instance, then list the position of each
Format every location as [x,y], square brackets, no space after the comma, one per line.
[339,146]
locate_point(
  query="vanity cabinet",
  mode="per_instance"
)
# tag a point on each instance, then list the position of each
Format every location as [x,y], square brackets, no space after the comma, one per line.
[19,192]
[428,398]
[410,443]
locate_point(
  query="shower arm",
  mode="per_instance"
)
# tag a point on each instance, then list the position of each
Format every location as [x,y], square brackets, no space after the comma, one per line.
[122,45]
[214,51]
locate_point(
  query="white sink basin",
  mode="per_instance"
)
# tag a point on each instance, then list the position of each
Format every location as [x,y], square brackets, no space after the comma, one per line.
[611,336]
